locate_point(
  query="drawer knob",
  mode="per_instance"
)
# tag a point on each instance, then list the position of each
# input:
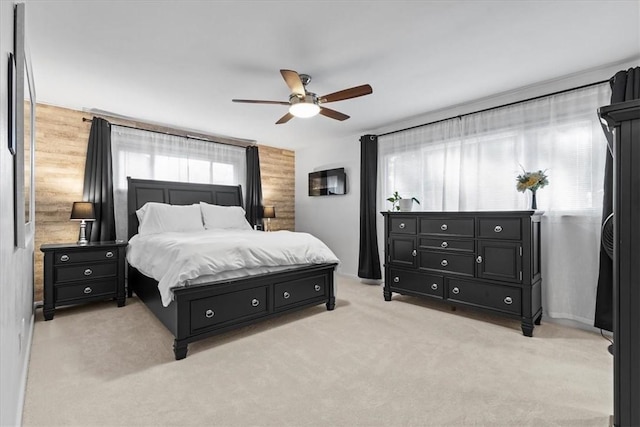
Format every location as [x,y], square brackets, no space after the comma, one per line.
[443,227]
[88,290]
[479,259]
[434,286]
[497,229]
[455,290]
[508,301]
[109,254]
[209,314]
[286,295]
[64,258]
[317,288]
[88,272]
[444,244]
[255,302]
[414,253]
[396,279]
[444,263]
[402,225]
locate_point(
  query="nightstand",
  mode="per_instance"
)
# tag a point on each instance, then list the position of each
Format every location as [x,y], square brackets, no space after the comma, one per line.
[75,274]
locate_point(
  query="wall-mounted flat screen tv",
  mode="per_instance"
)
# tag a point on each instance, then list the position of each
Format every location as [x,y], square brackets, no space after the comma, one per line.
[328,182]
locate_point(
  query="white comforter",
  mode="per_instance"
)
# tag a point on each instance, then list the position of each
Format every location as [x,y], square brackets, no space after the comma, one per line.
[176,259]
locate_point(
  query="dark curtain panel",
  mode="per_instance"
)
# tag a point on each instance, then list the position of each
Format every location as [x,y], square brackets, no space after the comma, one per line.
[98,182]
[369,259]
[625,86]
[253,205]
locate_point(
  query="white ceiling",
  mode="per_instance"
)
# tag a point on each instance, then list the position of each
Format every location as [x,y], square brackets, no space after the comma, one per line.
[181,62]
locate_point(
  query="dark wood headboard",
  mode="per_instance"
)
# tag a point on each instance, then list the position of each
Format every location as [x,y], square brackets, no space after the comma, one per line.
[141,191]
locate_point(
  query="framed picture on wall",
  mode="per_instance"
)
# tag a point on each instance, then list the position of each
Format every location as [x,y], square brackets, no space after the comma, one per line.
[11,108]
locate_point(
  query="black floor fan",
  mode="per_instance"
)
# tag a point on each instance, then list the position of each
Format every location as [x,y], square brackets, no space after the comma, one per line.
[607,245]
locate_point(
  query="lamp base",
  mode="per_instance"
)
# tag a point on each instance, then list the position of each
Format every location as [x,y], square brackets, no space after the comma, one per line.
[82,240]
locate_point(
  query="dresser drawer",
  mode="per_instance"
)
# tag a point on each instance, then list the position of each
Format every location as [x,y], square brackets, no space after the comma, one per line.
[422,283]
[445,244]
[447,226]
[62,257]
[206,312]
[294,291]
[83,291]
[86,271]
[499,228]
[448,262]
[402,225]
[502,298]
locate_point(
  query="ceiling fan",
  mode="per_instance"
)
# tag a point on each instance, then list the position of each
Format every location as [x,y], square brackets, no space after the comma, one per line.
[307,104]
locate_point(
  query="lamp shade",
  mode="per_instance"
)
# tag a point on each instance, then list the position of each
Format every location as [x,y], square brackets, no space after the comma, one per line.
[269,212]
[83,211]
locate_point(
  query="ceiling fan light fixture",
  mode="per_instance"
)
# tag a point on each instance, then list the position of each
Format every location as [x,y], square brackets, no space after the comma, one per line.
[304,108]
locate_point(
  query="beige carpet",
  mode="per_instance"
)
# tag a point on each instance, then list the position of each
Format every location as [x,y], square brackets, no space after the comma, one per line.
[408,362]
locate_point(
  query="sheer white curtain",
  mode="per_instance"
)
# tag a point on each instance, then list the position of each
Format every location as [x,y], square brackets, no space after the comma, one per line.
[151,155]
[470,163]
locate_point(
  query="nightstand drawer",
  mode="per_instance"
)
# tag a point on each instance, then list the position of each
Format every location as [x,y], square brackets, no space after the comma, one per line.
[287,293]
[83,291]
[71,256]
[86,271]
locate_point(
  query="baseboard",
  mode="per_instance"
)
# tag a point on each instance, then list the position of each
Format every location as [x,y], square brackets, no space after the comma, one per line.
[25,370]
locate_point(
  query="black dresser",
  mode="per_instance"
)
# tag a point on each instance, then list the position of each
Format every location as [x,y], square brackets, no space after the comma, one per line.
[487,260]
[75,274]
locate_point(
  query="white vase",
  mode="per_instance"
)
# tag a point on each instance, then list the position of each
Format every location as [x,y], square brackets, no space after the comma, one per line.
[405,205]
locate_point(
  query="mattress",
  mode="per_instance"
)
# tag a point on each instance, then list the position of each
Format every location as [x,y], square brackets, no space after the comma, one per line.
[178,259]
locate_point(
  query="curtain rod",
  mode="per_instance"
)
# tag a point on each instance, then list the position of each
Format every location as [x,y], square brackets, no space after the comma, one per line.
[496,107]
[186,134]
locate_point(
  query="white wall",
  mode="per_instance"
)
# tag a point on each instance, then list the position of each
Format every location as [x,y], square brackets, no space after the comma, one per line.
[335,219]
[16,265]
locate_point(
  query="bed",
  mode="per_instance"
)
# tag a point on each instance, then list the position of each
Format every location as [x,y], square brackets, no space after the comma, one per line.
[202,310]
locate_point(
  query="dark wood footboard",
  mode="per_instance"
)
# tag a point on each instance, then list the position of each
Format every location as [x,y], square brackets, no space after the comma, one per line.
[201,311]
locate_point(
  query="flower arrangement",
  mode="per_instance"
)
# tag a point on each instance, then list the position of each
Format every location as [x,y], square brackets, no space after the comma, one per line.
[531,181]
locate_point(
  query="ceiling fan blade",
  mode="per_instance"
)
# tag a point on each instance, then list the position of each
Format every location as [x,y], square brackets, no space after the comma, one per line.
[255,101]
[285,118]
[333,114]
[293,81]
[353,92]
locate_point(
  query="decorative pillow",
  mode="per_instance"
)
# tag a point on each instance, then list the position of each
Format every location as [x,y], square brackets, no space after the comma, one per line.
[224,217]
[156,217]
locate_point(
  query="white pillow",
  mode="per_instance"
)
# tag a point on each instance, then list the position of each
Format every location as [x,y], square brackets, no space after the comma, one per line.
[159,218]
[224,217]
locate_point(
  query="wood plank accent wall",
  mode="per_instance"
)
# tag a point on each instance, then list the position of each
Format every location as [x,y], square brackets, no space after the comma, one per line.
[61,150]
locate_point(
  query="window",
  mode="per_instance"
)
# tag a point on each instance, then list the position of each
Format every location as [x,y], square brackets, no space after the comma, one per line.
[150,155]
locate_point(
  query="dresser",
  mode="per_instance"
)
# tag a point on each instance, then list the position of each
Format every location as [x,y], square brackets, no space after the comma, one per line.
[75,274]
[485,260]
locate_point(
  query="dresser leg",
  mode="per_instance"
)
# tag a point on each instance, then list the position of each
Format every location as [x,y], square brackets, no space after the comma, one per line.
[180,349]
[387,294]
[539,318]
[527,327]
[48,313]
[331,303]
[122,301]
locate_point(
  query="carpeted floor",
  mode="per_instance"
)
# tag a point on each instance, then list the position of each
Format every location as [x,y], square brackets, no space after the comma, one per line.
[408,362]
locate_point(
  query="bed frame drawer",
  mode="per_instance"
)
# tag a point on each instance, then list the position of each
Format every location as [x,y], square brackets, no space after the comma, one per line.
[219,309]
[295,291]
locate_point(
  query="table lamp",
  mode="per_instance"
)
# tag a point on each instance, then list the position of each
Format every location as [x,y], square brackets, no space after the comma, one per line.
[269,212]
[83,212]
